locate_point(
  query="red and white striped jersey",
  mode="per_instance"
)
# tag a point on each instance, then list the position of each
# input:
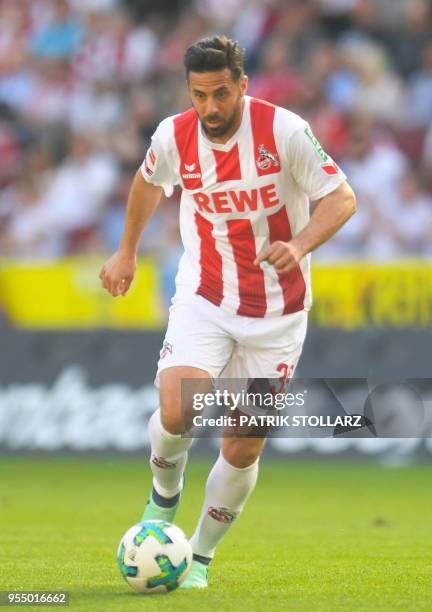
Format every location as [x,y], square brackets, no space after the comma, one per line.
[238,198]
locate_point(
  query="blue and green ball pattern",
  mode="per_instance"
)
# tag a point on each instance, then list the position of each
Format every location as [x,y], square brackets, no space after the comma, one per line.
[170,574]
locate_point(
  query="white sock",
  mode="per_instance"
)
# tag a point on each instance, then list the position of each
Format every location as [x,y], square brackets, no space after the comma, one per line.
[168,457]
[227,490]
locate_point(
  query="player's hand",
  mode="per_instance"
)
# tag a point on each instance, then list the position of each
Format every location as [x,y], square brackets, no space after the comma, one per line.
[284,256]
[117,274]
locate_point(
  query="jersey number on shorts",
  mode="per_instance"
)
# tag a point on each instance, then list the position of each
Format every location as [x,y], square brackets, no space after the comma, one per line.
[286,373]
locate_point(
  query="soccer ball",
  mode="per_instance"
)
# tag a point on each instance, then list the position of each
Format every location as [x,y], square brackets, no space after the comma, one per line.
[154,557]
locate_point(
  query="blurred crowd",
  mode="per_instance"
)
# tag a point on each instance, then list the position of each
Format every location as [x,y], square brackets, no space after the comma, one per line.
[83,84]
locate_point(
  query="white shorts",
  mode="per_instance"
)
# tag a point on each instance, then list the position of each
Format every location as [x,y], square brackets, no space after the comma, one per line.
[227,345]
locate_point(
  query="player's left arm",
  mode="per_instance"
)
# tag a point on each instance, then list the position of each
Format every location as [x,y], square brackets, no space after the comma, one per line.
[331,212]
[322,181]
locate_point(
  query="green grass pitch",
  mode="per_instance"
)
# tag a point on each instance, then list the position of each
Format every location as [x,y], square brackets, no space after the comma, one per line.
[314,536]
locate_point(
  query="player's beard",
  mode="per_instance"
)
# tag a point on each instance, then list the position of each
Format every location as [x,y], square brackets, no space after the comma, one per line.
[225,125]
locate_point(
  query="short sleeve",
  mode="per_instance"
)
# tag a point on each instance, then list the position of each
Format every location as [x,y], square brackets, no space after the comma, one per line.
[156,167]
[314,171]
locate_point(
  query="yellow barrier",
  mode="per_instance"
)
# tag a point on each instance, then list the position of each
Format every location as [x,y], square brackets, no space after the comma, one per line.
[68,294]
[363,294]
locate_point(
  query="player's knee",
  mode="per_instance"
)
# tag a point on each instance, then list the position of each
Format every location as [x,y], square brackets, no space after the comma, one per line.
[176,401]
[175,416]
[172,419]
[242,452]
[170,407]
[172,424]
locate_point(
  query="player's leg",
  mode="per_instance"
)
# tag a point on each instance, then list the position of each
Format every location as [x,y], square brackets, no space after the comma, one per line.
[195,351]
[270,344]
[229,485]
[169,448]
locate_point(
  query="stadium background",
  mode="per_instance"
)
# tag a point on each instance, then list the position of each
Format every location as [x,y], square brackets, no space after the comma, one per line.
[83,84]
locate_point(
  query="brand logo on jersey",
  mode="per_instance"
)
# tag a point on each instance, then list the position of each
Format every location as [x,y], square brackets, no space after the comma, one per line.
[149,162]
[147,169]
[330,168]
[316,144]
[242,201]
[266,159]
[190,174]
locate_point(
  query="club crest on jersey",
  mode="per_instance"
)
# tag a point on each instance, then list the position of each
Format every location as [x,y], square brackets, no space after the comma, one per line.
[266,159]
[190,172]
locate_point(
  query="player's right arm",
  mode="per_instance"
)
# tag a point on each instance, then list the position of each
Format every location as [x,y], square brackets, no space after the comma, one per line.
[118,272]
[155,176]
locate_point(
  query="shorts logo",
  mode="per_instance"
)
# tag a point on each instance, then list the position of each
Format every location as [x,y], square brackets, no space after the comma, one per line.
[190,174]
[266,159]
[167,349]
[223,515]
[160,462]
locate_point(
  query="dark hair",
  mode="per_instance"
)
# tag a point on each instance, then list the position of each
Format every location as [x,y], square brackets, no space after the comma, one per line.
[216,53]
